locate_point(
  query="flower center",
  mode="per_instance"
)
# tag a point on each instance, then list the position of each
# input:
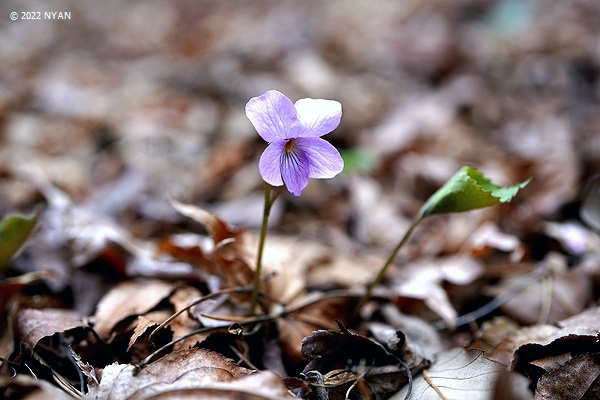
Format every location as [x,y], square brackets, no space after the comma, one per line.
[290,145]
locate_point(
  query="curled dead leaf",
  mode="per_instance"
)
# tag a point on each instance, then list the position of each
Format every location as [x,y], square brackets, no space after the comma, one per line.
[218,229]
[142,325]
[34,325]
[575,334]
[232,254]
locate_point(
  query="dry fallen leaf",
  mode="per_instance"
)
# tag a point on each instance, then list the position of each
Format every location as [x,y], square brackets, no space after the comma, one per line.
[421,334]
[509,86]
[232,254]
[503,352]
[141,326]
[577,379]
[9,290]
[423,280]
[218,229]
[492,332]
[526,345]
[299,263]
[186,373]
[456,374]
[11,286]
[28,388]
[34,325]
[183,368]
[562,293]
[128,299]
[185,322]
[489,237]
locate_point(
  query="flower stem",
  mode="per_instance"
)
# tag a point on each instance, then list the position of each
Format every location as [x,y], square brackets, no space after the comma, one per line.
[269,200]
[388,262]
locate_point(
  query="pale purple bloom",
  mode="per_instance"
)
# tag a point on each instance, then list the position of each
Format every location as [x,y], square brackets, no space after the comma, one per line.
[295,152]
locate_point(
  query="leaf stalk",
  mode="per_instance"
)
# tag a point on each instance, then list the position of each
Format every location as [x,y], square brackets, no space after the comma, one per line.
[388,262]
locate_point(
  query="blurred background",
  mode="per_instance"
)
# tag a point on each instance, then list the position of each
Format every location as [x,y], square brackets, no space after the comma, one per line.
[128,103]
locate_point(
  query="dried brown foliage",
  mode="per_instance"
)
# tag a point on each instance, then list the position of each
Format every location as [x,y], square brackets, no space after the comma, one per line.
[126,124]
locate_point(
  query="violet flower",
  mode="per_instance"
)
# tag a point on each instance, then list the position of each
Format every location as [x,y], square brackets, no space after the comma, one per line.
[296,151]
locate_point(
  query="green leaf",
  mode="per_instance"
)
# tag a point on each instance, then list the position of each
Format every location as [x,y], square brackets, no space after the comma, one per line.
[14,230]
[468,189]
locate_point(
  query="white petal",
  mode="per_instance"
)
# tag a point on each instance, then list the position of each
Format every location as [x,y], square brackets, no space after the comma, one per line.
[318,116]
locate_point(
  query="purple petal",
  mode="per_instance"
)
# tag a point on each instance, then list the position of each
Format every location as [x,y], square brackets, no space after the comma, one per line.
[324,159]
[318,116]
[294,170]
[273,116]
[269,164]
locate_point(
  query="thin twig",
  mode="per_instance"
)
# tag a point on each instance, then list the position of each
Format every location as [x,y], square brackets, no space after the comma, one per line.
[237,289]
[66,386]
[195,302]
[229,318]
[247,321]
[327,296]
[243,357]
[361,366]
[31,371]
[138,366]
[433,385]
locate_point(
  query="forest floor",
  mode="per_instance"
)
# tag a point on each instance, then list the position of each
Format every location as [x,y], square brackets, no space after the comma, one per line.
[123,134]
